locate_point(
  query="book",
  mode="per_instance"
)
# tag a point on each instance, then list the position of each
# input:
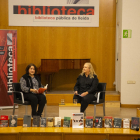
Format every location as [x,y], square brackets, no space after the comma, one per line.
[98,122]
[57,121]
[80,95]
[89,122]
[117,122]
[66,122]
[43,122]
[13,121]
[36,121]
[27,121]
[134,122]
[4,121]
[78,120]
[126,123]
[41,90]
[49,121]
[108,122]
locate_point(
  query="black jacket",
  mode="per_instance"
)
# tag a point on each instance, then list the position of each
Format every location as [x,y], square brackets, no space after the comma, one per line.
[29,81]
[86,84]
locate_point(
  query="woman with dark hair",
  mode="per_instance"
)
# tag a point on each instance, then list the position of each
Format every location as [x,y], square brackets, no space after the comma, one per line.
[30,83]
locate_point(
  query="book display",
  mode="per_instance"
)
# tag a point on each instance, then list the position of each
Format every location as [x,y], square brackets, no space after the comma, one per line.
[77,120]
[126,123]
[89,122]
[57,122]
[66,122]
[36,121]
[13,121]
[98,122]
[134,123]
[108,122]
[4,121]
[117,122]
[43,122]
[27,121]
[49,121]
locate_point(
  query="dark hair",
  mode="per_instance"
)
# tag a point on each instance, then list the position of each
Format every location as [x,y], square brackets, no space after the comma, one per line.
[28,67]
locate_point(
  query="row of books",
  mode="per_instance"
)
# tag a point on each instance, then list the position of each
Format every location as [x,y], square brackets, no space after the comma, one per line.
[37,121]
[77,121]
[97,122]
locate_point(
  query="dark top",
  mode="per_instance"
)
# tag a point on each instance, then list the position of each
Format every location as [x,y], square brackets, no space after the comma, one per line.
[86,84]
[28,83]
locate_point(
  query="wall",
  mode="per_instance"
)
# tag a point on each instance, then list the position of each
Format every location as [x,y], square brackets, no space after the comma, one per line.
[98,44]
[118,45]
[130,49]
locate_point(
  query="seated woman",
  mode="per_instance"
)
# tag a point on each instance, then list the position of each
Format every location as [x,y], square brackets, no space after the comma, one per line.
[30,84]
[86,86]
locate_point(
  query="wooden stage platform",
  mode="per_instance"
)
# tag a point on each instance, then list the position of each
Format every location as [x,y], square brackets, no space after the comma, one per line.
[61,133]
[112,98]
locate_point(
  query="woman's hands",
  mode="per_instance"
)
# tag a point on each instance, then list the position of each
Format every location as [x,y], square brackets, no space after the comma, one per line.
[34,90]
[84,94]
[76,92]
[45,87]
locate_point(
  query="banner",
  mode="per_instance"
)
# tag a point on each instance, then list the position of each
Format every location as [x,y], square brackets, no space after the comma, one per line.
[8,65]
[65,13]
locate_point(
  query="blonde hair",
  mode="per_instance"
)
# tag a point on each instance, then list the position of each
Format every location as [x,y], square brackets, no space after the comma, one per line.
[92,72]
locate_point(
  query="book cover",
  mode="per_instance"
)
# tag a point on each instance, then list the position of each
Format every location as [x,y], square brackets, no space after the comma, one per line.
[36,121]
[43,122]
[108,122]
[4,121]
[78,120]
[27,121]
[66,122]
[89,122]
[98,122]
[57,122]
[13,121]
[49,121]
[126,123]
[117,122]
[41,90]
[134,122]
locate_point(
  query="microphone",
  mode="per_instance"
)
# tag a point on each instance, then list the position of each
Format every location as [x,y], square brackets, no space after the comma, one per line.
[137,129]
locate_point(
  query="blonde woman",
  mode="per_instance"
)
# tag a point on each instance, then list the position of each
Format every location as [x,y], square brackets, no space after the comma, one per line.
[86,86]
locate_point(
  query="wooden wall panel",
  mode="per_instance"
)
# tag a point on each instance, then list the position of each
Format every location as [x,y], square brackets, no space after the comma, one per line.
[98,44]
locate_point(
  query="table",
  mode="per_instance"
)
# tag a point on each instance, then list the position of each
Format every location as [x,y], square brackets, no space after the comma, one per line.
[67,109]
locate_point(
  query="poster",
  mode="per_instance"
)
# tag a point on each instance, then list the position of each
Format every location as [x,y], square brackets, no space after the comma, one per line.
[8,65]
[64,13]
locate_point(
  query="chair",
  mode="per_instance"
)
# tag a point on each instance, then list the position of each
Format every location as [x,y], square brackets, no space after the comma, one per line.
[19,99]
[100,97]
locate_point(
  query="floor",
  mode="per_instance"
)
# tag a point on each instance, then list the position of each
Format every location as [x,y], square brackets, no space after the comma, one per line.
[53,111]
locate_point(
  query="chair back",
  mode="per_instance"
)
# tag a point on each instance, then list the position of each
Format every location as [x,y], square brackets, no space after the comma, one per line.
[102,88]
[16,87]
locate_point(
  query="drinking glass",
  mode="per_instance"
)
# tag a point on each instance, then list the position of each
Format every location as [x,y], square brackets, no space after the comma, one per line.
[75,101]
[62,101]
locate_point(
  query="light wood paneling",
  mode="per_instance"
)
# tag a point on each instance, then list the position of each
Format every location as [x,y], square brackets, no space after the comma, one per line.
[98,44]
[130,105]
[9,136]
[10,133]
[42,136]
[85,136]
[55,99]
